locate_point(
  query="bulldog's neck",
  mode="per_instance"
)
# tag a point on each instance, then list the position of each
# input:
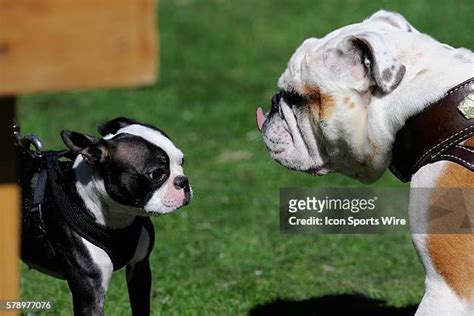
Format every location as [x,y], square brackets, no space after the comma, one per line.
[91,190]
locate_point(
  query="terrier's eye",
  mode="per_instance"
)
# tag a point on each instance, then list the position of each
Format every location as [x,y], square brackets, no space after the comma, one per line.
[182,162]
[157,174]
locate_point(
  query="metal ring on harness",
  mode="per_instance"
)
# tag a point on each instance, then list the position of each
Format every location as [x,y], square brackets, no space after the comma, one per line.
[27,141]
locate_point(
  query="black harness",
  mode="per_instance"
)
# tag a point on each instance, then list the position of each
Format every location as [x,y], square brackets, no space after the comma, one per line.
[119,244]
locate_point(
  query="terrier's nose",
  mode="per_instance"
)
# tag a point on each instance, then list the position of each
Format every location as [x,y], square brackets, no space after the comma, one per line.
[180,182]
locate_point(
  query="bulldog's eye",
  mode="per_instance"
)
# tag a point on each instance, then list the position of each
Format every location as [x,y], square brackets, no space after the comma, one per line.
[293,98]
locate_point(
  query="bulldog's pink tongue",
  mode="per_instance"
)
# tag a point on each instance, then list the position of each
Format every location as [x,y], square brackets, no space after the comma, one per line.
[260,118]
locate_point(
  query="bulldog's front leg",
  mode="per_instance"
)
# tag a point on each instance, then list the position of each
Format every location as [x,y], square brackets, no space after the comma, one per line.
[139,287]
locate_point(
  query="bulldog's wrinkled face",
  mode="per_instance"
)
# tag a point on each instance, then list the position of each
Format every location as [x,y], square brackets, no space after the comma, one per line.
[321,119]
[137,166]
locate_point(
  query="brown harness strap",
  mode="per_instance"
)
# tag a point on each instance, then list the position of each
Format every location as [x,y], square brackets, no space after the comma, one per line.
[436,133]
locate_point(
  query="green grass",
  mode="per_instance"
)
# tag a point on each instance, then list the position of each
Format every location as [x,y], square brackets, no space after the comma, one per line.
[224,253]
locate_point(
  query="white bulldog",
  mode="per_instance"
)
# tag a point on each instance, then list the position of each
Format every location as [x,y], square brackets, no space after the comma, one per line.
[343,98]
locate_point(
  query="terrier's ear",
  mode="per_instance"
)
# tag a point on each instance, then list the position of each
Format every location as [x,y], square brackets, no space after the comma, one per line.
[112,126]
[92,149]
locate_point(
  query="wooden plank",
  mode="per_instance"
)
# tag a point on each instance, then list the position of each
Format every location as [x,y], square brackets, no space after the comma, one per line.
[70,44]
[9,219]
[9,205]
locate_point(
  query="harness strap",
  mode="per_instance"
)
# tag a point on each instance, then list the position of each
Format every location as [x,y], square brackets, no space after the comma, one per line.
[463,155]
[436,134]
[38,197]
[36,215]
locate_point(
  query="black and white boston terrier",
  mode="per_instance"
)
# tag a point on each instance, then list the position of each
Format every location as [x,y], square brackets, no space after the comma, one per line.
[86,218]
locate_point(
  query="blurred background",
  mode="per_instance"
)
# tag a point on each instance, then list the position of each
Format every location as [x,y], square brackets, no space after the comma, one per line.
[224,254]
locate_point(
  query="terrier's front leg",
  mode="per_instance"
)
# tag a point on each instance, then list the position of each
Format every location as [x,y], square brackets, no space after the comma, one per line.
[88,275]
[87,296]
[139,287]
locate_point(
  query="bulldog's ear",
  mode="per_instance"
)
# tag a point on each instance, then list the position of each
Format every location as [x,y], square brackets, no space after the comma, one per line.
[379,60]
[112,126]
[92,149]
[392,18]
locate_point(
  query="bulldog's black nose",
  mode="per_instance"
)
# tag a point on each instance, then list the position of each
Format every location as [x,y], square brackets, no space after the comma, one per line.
[180,182]
[276,101]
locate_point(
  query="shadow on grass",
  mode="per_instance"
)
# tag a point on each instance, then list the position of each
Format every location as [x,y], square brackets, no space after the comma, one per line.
[345,304]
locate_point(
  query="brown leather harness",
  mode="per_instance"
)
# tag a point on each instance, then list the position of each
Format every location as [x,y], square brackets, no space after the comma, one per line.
[436,133]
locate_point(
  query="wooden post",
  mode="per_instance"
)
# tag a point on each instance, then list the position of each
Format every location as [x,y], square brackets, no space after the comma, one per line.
[9,204]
